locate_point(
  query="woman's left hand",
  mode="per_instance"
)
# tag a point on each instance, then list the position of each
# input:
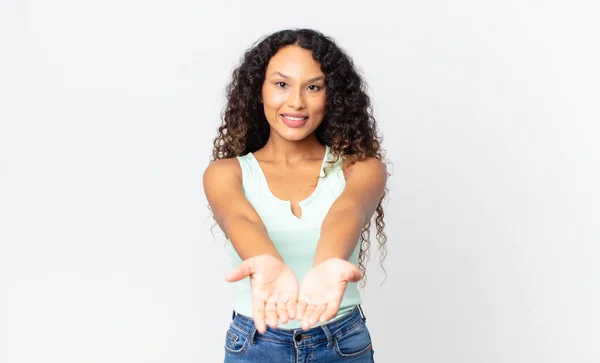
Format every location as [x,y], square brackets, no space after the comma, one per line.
[322,289]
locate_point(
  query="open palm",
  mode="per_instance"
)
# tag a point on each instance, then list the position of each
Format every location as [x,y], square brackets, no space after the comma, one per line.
[274,289]
[322,290]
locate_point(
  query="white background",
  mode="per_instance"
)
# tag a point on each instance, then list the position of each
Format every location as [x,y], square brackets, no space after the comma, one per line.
[489,112]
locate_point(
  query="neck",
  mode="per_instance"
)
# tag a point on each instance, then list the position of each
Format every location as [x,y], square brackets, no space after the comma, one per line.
[278,149]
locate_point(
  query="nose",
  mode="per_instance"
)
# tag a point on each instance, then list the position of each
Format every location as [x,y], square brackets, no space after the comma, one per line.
[296,99]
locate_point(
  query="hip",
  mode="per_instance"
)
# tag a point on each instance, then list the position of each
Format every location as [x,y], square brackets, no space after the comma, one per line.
[344,339]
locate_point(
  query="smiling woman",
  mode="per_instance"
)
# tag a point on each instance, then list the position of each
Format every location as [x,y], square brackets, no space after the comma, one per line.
[296,178]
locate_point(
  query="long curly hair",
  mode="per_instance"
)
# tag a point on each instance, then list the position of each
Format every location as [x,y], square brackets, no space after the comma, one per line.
[348,127]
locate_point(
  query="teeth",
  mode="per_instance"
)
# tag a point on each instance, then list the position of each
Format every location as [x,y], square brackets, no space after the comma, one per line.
[294,118]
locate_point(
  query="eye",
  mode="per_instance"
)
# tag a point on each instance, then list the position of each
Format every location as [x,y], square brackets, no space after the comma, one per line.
[281,84]
[314,87]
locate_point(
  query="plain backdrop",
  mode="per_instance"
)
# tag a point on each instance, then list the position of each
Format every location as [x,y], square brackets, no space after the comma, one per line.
[489,112]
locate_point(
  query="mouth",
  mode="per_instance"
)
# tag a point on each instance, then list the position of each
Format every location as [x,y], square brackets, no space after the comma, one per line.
[294,120]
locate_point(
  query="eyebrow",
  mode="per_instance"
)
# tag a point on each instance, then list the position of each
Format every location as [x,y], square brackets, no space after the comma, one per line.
[309,81]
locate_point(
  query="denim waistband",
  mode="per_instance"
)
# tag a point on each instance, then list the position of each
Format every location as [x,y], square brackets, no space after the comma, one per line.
[299,337]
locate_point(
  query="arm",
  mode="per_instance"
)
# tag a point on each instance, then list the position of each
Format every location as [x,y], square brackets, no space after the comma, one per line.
[274,285]
[323,286]
[233,212]
[340,231]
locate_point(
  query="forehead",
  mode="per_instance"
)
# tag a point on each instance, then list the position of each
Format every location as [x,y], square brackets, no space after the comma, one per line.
[294,62]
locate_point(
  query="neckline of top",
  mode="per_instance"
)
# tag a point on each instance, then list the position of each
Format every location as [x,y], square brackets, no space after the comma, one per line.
[288,202]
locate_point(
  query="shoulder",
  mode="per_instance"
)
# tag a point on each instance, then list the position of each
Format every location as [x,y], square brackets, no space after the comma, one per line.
[222,170]
[365,185]
[368,168]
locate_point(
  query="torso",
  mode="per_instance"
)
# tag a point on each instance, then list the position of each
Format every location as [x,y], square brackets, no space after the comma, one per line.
[293,183]
[292,202]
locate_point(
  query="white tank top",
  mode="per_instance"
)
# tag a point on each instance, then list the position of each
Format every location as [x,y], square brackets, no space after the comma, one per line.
[295,238]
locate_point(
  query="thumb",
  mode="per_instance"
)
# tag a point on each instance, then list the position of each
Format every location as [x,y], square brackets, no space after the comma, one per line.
[351,274]
[244,269]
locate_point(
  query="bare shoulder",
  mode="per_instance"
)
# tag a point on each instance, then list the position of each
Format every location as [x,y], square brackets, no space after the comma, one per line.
[365,184]
[223,171]
[369,167]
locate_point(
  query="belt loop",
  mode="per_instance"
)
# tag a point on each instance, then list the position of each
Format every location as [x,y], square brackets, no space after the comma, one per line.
[328,335]
[362,314]
[252,335]
[233,315]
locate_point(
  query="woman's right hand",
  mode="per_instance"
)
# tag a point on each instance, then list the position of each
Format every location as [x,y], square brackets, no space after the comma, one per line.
[274,289]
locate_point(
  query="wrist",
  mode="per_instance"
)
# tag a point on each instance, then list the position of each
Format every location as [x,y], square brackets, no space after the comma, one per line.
[271,255]
[319,260]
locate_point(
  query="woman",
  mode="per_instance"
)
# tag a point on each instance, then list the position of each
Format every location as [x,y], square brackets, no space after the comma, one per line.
[296,176]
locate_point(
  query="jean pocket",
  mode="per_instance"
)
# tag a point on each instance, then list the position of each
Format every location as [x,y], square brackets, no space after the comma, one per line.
[236,341]
[354,343]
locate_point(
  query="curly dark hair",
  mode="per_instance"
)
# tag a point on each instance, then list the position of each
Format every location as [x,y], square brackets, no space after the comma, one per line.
[348,126]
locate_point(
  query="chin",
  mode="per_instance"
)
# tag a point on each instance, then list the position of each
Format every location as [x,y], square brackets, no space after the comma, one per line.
[293,135]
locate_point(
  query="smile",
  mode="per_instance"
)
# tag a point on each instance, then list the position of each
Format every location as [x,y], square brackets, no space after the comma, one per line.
[295,118]
[292,121]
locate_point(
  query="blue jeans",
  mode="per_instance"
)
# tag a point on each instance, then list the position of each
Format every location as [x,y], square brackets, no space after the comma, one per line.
[346,339]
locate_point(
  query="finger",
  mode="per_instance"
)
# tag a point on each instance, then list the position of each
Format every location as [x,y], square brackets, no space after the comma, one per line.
[300,309]
[244,269]
[316,314]
[282,310]
[258,310]
[291,308]
[330,312]
[292,303]
[282,313]
[307,315]
[271,312]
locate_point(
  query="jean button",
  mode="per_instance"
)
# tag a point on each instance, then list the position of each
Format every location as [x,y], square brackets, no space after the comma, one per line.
[298,338]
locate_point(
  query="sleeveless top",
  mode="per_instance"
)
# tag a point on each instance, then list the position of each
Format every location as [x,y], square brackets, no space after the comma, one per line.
[294,238]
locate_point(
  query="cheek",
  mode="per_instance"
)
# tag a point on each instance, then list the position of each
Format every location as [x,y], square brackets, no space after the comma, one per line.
[273,100]
[318,105]
[320,100]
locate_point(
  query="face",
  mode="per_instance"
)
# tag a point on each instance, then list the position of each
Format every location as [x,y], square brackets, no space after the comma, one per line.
[293,94]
